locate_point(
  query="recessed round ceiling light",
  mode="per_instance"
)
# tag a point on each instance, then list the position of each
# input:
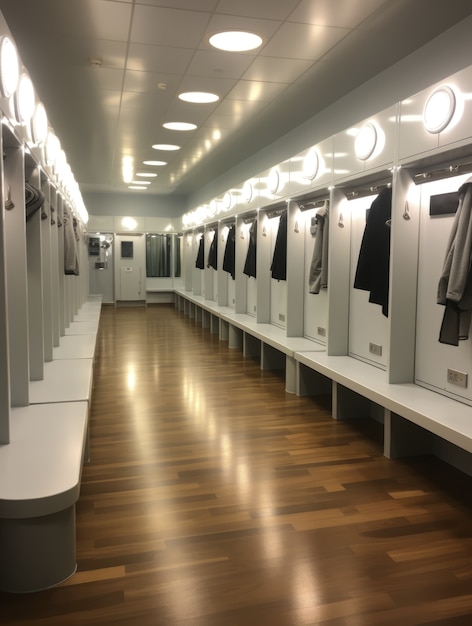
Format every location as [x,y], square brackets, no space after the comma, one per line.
[159,163]
[235,41]
[179,126]
[9,67]
[165,146]
[199,97]
[146,174]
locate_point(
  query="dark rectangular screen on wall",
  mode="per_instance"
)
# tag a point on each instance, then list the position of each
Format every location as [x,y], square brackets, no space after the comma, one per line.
[126,249]
[444,203]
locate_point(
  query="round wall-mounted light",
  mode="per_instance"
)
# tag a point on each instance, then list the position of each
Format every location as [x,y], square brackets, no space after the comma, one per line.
[227,201]
[24,100]
[39,124]
[129,223]
[247,192]
[439,109]
[273,180]
[235,41]
[311,163]
[9,67]
[52,148]
[365,142]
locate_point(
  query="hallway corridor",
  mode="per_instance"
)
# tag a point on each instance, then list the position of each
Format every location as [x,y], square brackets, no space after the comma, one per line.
[214,498]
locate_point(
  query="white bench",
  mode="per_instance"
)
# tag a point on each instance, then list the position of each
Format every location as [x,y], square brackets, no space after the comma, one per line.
[242,331]
[41,467]
[40,471]
[411,413]
[415,420]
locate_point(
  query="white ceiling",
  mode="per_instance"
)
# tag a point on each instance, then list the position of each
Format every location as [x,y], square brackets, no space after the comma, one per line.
[314,52]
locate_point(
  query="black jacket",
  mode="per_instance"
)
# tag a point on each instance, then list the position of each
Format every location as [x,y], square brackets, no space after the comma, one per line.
[229,262]
[373,265]
[200,261]
[279,259]
[250,264]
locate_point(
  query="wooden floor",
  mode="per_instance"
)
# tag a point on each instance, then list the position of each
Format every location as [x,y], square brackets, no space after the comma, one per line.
[214,498]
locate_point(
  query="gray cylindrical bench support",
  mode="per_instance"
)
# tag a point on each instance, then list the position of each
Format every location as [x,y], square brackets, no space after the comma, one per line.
[37,553]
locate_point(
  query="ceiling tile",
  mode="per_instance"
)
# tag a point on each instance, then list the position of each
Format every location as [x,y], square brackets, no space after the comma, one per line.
[108,20]
[276,70]
[151,58]
[106,78]
[149,82]
[255,91]
[223,64]
[191,5]
[304,41]
[168,27]
[275,9]
[343,13]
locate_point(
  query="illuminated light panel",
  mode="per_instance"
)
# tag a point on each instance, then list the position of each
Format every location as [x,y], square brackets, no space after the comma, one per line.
[39,124]
[235,41]
[9,67]
[156,163]
[52,148]
[129,223]
[247,192]
[127,169]
[199,97]
[24,100]
[146,174]
[365,142]
[439,109]
[181,126]
[141,182]
[311,164]
[165,146]
[140,187]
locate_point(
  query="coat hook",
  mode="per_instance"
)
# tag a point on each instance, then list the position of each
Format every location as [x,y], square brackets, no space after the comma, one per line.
[341,221]
[406,212]
[9,204]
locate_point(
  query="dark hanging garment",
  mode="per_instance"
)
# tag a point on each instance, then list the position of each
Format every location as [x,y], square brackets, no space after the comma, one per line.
[213,253]
[455,283]
[373,265]
[250,264]
[200,262]
[229,261]
[278,267]
[318,278]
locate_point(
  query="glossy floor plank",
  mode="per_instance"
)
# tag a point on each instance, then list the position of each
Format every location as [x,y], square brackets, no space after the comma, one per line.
[214,498]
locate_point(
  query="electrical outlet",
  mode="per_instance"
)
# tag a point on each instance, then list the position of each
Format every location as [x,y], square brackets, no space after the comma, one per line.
[457,378]
[281,317]
[375,348]
[321,331]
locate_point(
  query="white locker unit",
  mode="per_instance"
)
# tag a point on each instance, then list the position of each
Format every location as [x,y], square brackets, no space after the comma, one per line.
[439,366]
